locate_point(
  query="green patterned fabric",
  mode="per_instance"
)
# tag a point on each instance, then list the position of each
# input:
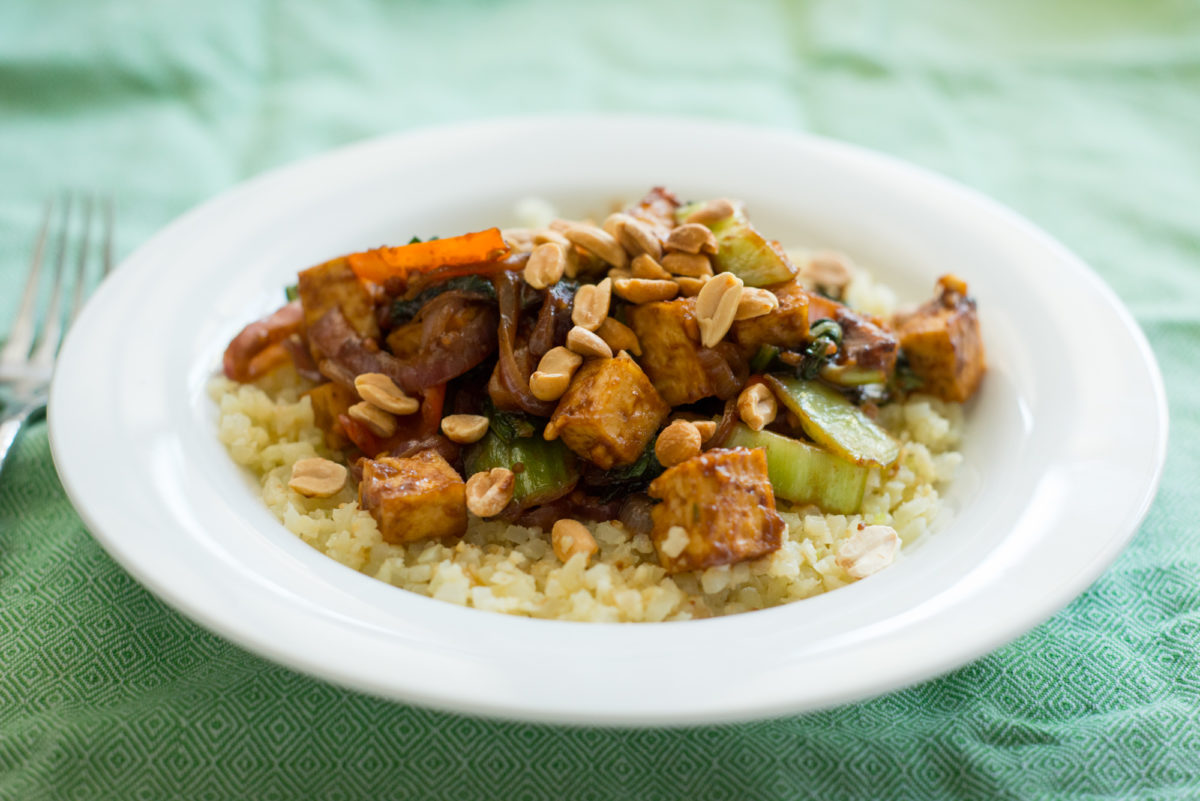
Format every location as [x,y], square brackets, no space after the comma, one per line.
[1082,115]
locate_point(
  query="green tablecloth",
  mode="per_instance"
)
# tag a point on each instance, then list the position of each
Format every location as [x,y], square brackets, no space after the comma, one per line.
[1084,116]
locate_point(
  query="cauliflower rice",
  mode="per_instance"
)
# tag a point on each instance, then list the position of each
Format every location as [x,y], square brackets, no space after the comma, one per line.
[504,568]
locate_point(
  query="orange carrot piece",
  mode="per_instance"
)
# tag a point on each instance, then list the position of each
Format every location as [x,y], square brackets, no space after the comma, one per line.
[380,264]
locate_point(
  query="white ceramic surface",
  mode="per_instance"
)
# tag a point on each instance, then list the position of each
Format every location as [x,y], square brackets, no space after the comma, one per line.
[1064,446]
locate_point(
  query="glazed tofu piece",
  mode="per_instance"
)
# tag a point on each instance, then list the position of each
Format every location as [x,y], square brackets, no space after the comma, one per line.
[942,342]
[784,327]
[717,508]
[670,340]
[328,401]
[609,413]
[334,284]
[414,498]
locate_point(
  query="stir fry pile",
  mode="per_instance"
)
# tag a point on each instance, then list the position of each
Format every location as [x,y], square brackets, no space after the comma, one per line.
[669,368]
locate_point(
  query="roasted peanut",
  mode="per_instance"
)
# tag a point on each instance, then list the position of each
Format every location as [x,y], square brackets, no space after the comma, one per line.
[757,406]
[716,306]
[690,287]
[317,477]
[553,374]
[677,443]
[712,212]
[639,238]
[587,343]
[644,266]
[381,423]
[706,428]
[598,241]
[464,428]
[868,550]
[489,492]
[545,235]
[591,304]
[619,336]
[545,266]
[755,303]
[645,290]
[379,390]
[569,537]
[695,265]
[692,238]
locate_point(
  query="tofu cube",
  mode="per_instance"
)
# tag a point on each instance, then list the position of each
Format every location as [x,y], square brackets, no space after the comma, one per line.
[334,284]
[717,508]
[670,340]
[944,347]
[414,498]
[609,413]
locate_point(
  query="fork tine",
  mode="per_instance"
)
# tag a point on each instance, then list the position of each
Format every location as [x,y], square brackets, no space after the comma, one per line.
[82,261]
[21,336]
[43,355]
[108,237]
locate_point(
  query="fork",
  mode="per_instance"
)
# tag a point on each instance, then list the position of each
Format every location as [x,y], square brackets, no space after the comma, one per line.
[27,361]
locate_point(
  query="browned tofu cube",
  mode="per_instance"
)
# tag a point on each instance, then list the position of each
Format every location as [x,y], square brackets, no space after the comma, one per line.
[335,284]
[717,508]
[609,413]
[404,341]
[414,498]
[328,401]
[942,342]
[784,327]
[670,340]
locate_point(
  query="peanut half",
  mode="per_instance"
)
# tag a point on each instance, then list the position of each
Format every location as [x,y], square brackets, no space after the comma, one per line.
[695,265]
[379,390]
[868,550]
[489,492]
[464,428]
[569,537]
[598,241]
[587,343]
[677,443]
[380,423]
[692,238]
[644,266]
[545,266]
[553,374]
[716,306]
[591,304]
[757,406]
[645,290]
[317,477]
[755,303]
[638,238]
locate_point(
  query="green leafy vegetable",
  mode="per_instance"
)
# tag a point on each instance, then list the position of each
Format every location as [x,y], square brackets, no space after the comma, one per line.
[292,292]
[766,354]
[826,341]
[802,473]
[542,470]
[831,420]
[405,310]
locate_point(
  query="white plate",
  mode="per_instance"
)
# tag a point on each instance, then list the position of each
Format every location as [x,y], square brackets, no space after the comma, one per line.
[1064,445]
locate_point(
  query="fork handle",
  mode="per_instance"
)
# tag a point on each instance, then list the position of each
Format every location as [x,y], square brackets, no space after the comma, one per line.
[11,426]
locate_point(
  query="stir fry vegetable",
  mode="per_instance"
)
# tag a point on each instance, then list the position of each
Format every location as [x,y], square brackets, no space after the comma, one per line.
[669,368]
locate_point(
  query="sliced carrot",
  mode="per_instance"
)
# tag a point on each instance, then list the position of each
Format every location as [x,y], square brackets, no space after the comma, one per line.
[380,264]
